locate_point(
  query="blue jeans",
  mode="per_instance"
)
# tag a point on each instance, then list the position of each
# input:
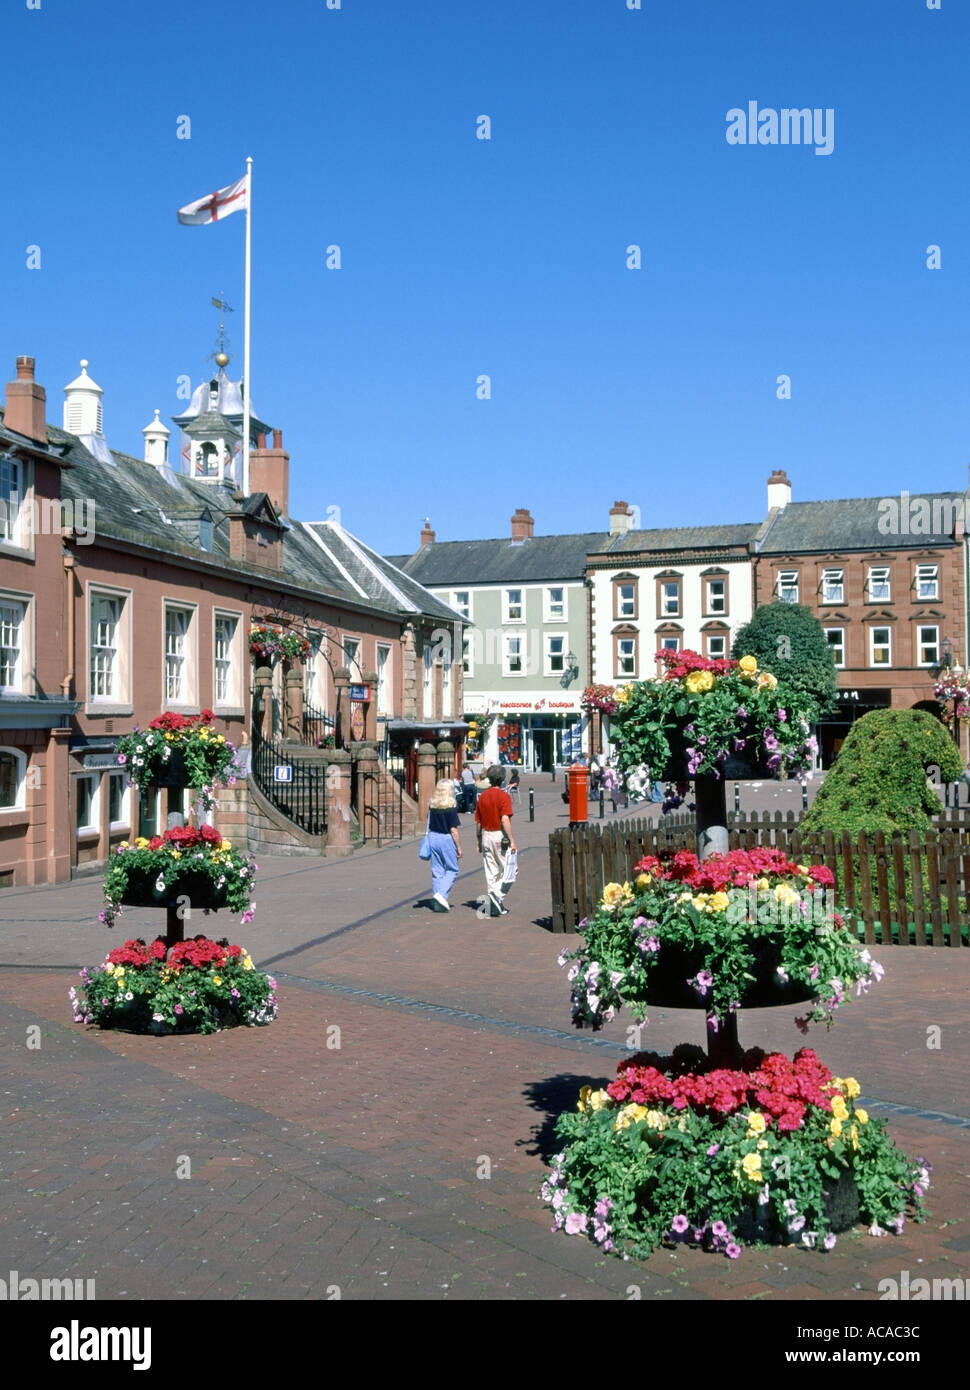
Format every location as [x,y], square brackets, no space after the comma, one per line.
[444,863]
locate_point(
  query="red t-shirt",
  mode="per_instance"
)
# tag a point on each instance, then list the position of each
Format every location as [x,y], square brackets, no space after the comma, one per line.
[492,806]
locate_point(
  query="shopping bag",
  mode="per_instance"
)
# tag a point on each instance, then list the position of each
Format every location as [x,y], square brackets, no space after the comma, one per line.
[424,848]
[511,871]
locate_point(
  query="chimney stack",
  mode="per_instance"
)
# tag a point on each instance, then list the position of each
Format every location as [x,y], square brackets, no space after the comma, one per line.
[779,490]
[523,525]
[427,535]
[621,518]
[26,400]
[269,472]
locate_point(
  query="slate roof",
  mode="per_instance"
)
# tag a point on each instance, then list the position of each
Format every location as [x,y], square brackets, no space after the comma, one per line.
[133,499]
[852,523]
[502,561]
[555,557]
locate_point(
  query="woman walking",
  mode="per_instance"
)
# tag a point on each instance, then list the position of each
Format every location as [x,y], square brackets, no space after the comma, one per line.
[443,832]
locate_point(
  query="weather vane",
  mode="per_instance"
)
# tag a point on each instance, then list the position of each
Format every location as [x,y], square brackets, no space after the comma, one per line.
[221,358]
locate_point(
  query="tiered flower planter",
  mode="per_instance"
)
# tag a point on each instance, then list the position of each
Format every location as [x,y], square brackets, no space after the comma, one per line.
[174,985]
[727,1147]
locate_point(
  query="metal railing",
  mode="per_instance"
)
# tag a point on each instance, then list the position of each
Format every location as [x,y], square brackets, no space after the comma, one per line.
[376,802]
[303,797]
[318,727]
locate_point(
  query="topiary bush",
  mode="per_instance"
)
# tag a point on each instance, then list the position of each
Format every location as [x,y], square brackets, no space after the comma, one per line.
[879,779]
[789,640]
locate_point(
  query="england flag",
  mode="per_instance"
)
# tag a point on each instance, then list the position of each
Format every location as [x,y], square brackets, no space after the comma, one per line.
[215,206]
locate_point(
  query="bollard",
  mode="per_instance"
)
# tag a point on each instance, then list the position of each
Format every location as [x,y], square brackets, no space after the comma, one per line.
[804,796]
[532,803]
[737,798]
[602,803]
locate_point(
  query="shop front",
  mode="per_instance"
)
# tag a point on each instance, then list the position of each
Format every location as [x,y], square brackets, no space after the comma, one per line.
[537,733]
[853,704]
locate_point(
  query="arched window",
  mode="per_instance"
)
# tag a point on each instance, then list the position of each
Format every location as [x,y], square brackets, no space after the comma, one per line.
[13,781]
[206,461]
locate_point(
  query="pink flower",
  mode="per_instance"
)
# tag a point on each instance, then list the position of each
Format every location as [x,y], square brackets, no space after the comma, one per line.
[732,1250]
[576,1223]
[679,1224]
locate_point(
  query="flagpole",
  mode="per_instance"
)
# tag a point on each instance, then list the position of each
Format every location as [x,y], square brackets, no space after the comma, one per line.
[247,393]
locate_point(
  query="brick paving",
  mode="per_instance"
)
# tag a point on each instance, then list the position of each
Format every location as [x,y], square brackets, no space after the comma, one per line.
[360,1169]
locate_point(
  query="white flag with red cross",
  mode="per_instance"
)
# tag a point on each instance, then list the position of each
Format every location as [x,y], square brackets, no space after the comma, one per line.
[215,206]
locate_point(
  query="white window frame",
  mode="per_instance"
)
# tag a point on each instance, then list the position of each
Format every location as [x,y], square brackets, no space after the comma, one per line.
[20,608]
[461,602]
[352,661]
[833,579]
[508,656]
[20,794]
[93,825]
[665,599]
[871,583]
[508,605]
[188,698]
[626,607]
[837,646]
[119,701]
[385,670]
[124,820]
[550,655]
[549,615]
[927,574]
[233,699]
[20,485]
[713,600]
[630,657]
[716,637]
[920,629]
[881,627]
[787,586]
[669,644]
[467,652]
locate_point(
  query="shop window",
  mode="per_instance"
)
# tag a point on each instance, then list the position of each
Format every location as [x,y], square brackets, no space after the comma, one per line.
[13,765]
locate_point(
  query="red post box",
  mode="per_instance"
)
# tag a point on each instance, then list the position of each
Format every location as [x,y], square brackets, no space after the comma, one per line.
[578,789]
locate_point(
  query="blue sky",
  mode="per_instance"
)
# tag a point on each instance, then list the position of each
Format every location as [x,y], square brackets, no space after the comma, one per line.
[507,257]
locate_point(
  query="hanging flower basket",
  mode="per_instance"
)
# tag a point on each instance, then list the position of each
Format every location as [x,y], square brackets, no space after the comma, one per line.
[954,685]
[269,644]
[724,719]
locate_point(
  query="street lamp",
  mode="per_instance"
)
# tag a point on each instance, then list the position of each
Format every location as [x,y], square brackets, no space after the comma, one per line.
[571,671]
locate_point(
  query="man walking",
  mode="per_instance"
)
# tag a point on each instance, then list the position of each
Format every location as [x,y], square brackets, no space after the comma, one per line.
[468,787]
[493,820]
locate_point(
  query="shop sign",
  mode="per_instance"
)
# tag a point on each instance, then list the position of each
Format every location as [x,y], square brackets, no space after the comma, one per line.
[360,692]
[95,762]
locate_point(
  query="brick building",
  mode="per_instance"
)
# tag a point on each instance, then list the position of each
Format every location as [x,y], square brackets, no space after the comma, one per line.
[128,588]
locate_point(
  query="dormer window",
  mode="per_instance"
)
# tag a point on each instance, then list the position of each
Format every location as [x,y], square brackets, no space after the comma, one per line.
[205,534]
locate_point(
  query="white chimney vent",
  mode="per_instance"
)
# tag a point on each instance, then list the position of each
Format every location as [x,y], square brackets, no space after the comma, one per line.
[779,490]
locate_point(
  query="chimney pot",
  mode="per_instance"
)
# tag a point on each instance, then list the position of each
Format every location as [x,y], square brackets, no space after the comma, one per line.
[779,489]
[523,525]
[621,518]
[25,369]
[260,441]
[277,439]
[427,535]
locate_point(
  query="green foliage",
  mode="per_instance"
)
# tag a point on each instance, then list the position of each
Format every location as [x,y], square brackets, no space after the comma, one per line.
[878,781]
[788,639]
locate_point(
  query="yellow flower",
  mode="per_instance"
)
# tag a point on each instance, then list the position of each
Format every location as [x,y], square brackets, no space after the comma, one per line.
[584,1094]
[630,1115]
[748,664]
[767,679]
[720,901]
[643,880]
[762,1144]
[141,842]
[109,969]
[852,1087]
[756,1123]
[751,1163]
[598,1100]
[839,1108]
[803,869]
[763,884]
[220,738]
[699,681]
[616,895]
[624,694]
[203,733]
[226,844]
[854,1136]
[785,893]
[247,964]
[861,1115]
[169,737]
[176,854]
[700,901]
[835,1128]
[656,1119]
[124,845]
[217,979]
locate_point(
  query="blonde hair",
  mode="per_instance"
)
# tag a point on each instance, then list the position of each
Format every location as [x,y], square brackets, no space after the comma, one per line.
[444,796]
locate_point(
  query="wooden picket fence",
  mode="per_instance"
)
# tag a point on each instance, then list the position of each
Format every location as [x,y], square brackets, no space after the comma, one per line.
[906,889]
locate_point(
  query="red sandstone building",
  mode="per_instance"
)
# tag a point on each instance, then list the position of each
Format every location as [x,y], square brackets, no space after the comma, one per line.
[128,588]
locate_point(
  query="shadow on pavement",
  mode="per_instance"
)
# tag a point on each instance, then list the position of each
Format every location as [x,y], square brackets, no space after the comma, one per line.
[551,1097]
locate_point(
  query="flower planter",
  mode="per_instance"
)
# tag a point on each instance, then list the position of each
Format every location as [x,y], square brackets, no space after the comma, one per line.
[674,965]
[841,1207]
[198,888]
